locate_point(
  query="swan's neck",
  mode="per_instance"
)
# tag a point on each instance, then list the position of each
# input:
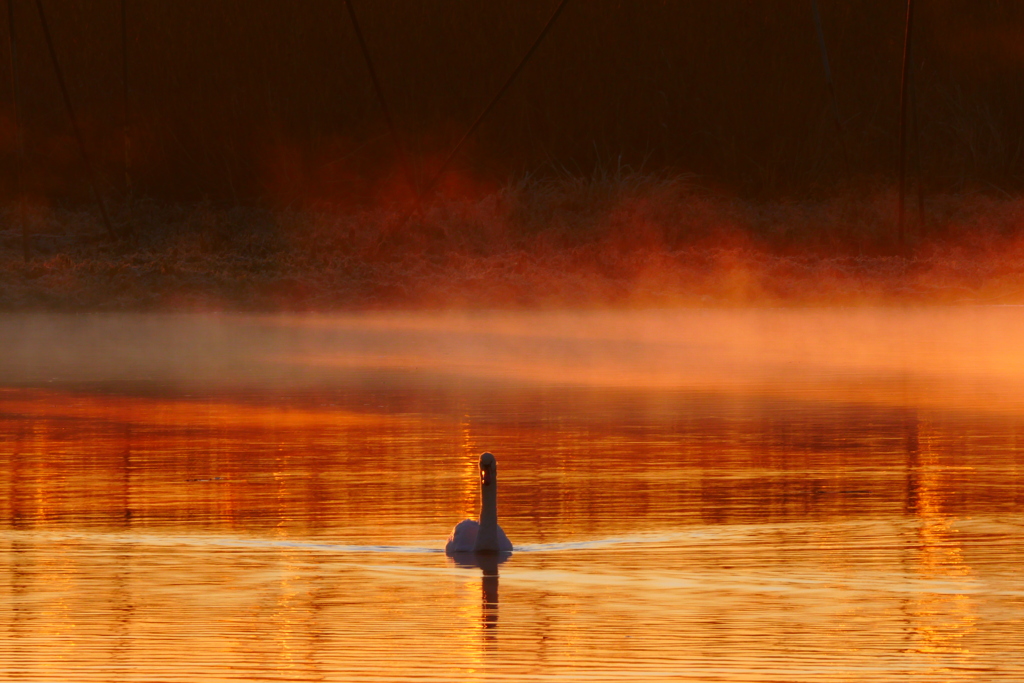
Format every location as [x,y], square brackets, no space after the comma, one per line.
[487,534]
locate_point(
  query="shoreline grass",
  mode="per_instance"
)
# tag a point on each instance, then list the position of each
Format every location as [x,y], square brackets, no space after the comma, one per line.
[624,240]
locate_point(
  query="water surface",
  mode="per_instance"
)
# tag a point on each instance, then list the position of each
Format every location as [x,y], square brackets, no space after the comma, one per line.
[704,495]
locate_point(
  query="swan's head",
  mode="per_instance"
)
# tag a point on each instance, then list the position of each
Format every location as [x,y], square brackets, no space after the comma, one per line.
[488,467]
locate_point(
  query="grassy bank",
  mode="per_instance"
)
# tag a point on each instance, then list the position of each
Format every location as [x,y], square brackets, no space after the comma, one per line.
[611,240]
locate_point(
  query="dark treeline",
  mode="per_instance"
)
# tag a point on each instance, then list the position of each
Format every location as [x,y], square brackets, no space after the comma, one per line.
[242,100]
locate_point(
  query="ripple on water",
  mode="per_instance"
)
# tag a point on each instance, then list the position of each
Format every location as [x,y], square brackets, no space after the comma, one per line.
[728,512]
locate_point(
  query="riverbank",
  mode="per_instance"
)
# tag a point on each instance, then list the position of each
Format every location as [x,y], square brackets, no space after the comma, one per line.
[621,242]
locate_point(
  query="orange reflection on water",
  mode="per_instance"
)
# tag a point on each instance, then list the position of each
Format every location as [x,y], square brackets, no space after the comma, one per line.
[940,620]
[150,535]
[230,414]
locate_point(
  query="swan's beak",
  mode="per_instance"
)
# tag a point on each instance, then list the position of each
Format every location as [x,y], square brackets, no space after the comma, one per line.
[485,477]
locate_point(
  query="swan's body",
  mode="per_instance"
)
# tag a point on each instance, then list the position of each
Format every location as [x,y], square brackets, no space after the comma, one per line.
[465,535]
[484,536]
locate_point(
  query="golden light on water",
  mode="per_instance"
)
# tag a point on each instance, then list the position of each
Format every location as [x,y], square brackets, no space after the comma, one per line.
[679,505]
[72,405]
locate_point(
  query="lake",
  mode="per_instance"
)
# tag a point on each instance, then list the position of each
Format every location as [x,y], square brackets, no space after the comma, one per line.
[710,495]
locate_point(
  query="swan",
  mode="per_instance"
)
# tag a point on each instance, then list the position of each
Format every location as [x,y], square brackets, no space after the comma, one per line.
[484,536]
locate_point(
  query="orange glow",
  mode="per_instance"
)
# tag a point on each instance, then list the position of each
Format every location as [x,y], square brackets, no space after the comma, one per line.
[960,358]
[39,403]
[705,490]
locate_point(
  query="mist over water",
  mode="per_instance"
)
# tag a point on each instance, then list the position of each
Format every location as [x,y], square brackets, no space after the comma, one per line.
[729,494]
[956,357]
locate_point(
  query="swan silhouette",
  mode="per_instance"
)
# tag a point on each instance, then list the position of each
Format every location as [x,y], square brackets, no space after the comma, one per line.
[484,536]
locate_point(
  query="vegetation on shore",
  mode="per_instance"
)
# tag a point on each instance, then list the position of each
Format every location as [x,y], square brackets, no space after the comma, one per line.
[627,239]
[266,176]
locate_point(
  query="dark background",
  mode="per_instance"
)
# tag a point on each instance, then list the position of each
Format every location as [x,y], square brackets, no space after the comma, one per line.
[270,101]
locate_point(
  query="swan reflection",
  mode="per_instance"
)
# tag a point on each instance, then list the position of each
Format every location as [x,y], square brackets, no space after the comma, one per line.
[488,565]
